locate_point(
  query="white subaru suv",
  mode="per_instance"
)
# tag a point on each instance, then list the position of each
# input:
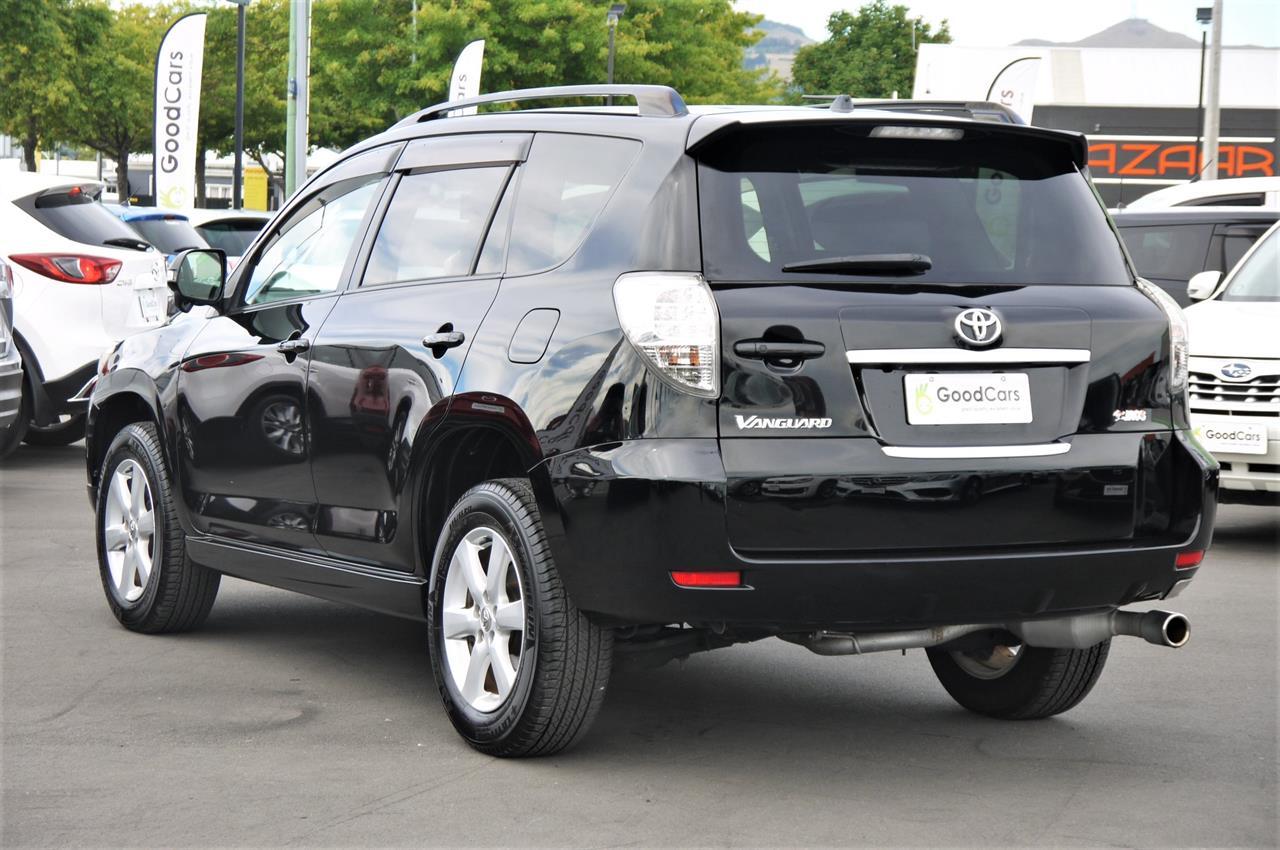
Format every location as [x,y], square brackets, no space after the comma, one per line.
[82,281]
[1235,371]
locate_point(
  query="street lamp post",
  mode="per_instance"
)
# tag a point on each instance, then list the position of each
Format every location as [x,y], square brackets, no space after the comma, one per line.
[1204,16]
[237,177]
[615,12]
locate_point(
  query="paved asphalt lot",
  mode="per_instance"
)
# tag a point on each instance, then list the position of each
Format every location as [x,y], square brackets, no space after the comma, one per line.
[291,721]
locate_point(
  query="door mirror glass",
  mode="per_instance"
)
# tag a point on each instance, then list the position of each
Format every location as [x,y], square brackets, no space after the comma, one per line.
[1202,285]
[197,277]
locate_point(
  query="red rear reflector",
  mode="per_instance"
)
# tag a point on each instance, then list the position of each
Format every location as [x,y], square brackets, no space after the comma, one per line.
[713,578]
[70,268]
[1187,560]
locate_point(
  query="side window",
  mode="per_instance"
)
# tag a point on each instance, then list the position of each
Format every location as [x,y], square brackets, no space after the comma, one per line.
[434,224]
[1172,252]
[753,220]
[1233,248]
[307,254]
[566,183]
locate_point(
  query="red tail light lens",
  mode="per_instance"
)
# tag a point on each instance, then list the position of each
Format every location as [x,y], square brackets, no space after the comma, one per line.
[70,268]
[709,578]
[1187,560]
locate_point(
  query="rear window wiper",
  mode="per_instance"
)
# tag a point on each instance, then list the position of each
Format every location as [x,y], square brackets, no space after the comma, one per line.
[869,264]
[123,242]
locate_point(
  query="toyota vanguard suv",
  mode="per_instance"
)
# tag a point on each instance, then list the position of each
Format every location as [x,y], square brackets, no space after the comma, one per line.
[631,382]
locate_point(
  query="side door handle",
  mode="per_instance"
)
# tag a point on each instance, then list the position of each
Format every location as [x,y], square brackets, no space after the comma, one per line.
[294,346]
[759,349]
[448,339]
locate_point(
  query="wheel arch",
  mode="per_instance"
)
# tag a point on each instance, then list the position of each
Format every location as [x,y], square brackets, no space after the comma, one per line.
[120,399]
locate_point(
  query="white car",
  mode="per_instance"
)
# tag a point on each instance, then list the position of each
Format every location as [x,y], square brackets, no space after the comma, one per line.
[1235,371]
[82,281]
[1250,192]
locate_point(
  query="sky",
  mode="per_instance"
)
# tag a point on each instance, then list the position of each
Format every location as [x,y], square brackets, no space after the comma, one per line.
[983,23]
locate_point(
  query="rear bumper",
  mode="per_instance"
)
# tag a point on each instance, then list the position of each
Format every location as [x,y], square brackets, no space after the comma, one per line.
[620,520]
[10,386]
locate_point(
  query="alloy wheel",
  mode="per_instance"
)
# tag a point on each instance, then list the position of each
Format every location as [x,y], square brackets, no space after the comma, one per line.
[129,531]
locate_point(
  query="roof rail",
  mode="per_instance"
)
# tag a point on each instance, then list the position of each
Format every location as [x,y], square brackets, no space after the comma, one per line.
[653,101]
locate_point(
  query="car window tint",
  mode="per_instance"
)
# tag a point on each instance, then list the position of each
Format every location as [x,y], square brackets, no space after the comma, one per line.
[988,206]
[79,217]
[1250,200]
[495,243]
[434,225]
[566,183]
[1233,248]
[307,255]
[1171,251]
[170,234]
[1259,278]
[233,237]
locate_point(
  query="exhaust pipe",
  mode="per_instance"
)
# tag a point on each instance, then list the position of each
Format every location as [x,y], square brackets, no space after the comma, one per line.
[1162,628]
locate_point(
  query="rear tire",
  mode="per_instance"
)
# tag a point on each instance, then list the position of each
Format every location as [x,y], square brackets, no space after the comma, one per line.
[1040,683]
[151,584]
[540,666]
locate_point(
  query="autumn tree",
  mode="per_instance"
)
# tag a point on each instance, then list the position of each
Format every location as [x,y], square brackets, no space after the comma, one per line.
[867,53]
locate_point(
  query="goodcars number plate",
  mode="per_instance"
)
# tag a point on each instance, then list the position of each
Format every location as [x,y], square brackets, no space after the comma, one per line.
[1230,438]
[968,398]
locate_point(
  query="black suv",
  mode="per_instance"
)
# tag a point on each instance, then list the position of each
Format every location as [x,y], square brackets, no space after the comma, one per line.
[575,384]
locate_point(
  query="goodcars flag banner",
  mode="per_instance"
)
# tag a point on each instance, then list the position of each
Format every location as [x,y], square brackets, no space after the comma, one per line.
[1015,86]
[466,75]
[178,67]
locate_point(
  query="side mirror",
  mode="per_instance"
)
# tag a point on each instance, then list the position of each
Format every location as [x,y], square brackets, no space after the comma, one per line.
[1202,285]
[198,276]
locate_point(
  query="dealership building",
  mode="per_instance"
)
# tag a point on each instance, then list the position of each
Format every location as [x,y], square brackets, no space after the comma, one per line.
[1137,105]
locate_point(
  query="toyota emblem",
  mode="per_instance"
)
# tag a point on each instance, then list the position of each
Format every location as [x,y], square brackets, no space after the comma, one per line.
[977,326]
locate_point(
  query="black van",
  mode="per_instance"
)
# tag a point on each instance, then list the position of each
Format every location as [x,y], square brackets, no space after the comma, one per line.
[582,383]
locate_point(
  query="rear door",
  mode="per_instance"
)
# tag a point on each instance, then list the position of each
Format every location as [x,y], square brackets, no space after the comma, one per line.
[861,407]
[386,361]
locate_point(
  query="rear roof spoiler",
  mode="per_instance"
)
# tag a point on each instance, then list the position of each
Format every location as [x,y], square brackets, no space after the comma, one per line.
[711,127]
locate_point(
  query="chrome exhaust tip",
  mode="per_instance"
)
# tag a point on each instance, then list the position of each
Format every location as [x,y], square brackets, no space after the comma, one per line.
[1163,628]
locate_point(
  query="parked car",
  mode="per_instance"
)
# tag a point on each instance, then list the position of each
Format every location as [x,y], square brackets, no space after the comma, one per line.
[1229,192]
[554,393]
[230,231]
[1235,371]
[82,282]
[168,231]
[1169,246]
[13,424]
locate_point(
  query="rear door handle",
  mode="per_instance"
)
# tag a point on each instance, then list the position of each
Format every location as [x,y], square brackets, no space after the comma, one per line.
[447,339]
[294,346]
[759,349]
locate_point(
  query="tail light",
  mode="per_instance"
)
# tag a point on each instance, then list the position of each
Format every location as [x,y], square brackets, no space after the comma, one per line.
[1179,362]
[671,318]
[70,268]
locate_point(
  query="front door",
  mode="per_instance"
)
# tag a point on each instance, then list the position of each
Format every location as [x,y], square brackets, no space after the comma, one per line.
[386,361]
[245,443]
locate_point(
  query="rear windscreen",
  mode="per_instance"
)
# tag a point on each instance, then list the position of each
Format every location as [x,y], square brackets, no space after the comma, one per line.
[990,207]
[233,237]
[79,217]
[170,235]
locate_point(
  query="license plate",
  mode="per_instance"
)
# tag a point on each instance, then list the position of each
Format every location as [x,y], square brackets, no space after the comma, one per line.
[968,399]
[149,303]
[1230,438]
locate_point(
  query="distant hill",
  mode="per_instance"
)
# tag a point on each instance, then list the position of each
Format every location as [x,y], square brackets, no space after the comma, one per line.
[1134,32]
[777,50]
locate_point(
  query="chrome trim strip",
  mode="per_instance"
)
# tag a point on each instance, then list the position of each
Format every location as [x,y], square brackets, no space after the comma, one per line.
[1040,450]
[965,355]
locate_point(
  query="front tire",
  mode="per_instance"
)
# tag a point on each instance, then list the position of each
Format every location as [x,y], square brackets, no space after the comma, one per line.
[1019,682]
[151,584]
[521,671]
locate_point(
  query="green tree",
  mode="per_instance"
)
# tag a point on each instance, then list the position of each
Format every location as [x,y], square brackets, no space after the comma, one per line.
[116,84]
[42,47]
[867,54]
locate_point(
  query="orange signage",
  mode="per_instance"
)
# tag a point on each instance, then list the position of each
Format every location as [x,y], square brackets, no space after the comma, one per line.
[1176,159]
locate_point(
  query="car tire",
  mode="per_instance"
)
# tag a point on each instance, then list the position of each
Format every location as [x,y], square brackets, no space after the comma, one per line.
[1041,682]
[62,433]
[543,698]
[151,584]
[12,434]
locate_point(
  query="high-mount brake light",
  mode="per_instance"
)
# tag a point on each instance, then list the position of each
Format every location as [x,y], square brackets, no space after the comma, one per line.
[707,578]
[671,318]
[70,268]
[897,131]
[1187,560]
